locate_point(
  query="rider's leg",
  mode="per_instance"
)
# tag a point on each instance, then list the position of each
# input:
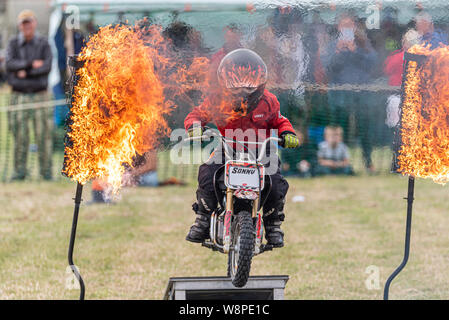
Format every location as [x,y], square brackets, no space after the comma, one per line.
[273,211]
[205,204]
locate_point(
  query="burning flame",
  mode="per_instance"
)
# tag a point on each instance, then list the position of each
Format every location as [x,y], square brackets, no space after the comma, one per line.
[222,108]
[425,116]
[130,81]
[118,106]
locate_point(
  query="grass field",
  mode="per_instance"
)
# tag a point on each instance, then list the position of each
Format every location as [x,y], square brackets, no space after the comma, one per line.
[130,249]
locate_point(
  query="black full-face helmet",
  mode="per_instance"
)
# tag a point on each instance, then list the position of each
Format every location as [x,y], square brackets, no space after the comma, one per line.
[243,74]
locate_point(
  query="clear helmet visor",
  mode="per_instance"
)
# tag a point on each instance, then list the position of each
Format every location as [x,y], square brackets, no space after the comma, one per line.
[242,71]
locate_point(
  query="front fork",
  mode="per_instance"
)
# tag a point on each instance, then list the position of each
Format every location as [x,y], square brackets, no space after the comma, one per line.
[259,228]
[227,222]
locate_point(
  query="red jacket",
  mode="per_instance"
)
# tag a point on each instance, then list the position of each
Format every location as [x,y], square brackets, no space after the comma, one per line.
[393,67]
[266,115]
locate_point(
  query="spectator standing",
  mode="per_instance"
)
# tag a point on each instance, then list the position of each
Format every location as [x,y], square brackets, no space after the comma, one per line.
[429,34]
[2,70]
[265,44]
[394,62]
[28,63]
[333,154]
[393,68]
[387,38]
[291,64]
[232,41]
[318,115]
[351,60]
[185,44]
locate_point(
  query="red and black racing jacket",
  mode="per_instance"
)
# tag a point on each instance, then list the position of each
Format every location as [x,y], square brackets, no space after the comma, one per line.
[265,117]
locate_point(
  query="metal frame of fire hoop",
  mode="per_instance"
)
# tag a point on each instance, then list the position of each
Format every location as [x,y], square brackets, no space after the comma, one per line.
[408,230]
[74,64]
[419,59]
[78,200]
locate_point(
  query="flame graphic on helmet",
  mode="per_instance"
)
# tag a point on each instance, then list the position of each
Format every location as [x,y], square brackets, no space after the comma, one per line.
[242,68]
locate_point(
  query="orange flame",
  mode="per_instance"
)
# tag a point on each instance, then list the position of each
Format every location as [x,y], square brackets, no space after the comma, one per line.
[425,117]
[130,81]
[118,105]
[222,108]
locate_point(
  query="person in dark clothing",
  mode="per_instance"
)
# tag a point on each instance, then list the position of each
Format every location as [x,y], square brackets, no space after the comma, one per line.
[28,63]
[2,71]
[352,60]
[351,56]
[185,45]
[318,112]
[28,57]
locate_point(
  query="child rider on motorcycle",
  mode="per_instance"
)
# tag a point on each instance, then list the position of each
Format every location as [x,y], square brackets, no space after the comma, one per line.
[242,75]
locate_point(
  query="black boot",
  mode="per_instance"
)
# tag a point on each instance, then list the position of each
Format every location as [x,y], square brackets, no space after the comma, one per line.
[203,207]
[199,231]
[273,233]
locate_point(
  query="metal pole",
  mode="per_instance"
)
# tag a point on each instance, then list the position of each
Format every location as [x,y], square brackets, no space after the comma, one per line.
[79,192]
[408,227]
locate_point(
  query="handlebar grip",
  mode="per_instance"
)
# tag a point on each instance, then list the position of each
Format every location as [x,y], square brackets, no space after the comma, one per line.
[194,138]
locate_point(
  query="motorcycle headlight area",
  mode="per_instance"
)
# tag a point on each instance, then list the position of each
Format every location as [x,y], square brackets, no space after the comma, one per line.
[244,175]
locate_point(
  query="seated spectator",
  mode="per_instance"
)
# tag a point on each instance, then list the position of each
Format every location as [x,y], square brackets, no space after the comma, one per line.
[333,154]
[144,172]
[100,192]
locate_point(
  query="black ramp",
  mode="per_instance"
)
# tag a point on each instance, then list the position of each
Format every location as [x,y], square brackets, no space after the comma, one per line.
[221,288]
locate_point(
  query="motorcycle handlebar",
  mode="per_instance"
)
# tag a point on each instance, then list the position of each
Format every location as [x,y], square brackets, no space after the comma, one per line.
[226,140]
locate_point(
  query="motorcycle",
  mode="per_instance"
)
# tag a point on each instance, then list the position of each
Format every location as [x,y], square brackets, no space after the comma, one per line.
[236,226]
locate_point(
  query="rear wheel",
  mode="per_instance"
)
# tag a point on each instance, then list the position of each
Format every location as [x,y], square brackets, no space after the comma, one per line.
[241,254]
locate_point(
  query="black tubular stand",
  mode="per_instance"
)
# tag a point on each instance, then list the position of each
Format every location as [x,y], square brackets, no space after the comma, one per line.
[397,143]
[79,192]
[408,229]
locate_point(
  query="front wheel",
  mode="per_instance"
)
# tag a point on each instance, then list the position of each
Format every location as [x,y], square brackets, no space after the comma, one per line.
[241,254]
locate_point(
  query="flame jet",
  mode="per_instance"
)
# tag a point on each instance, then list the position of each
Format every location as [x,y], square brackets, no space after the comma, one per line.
[118,105]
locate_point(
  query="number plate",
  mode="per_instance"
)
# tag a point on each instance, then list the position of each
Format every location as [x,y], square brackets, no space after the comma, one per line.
[244,176]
